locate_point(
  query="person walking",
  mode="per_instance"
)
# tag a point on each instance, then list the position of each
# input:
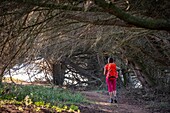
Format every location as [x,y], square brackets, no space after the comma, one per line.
[111,75]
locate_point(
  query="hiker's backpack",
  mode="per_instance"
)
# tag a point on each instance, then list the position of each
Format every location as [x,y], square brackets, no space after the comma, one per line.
[114,75]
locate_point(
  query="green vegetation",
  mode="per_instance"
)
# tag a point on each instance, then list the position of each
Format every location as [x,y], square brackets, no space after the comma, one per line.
[8,80]
[54,98]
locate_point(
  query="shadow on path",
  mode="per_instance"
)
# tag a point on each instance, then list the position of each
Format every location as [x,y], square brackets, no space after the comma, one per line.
[99,104]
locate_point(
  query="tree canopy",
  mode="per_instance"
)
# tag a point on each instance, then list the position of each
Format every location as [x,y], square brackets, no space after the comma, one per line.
[78,35]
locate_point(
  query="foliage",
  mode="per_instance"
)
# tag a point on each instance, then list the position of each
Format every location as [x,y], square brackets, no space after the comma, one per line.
[39,105]
[57,99]
[42,94]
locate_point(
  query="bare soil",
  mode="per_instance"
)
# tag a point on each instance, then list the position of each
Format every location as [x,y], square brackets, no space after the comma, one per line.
[100,104]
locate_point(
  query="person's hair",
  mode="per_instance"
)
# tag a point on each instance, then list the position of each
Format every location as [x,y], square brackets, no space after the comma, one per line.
[110,60]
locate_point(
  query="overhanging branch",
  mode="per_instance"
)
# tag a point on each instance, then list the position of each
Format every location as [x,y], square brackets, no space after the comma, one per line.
[69,7]
[155,24]
[148,23]
[110,22]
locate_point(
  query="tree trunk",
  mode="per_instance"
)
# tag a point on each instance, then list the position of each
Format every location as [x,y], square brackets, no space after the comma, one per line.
[1,74]
[0,79]
[58,73]
[146,83]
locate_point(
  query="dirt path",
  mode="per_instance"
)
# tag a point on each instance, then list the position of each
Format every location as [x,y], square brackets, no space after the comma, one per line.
[100,104]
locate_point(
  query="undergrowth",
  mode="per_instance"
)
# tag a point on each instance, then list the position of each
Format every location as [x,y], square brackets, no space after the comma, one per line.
[41,96]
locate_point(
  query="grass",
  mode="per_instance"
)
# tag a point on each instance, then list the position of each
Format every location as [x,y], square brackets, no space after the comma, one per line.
[41,93]
[54,98]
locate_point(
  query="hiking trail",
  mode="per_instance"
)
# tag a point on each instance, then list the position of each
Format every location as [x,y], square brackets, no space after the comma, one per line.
[100,104]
